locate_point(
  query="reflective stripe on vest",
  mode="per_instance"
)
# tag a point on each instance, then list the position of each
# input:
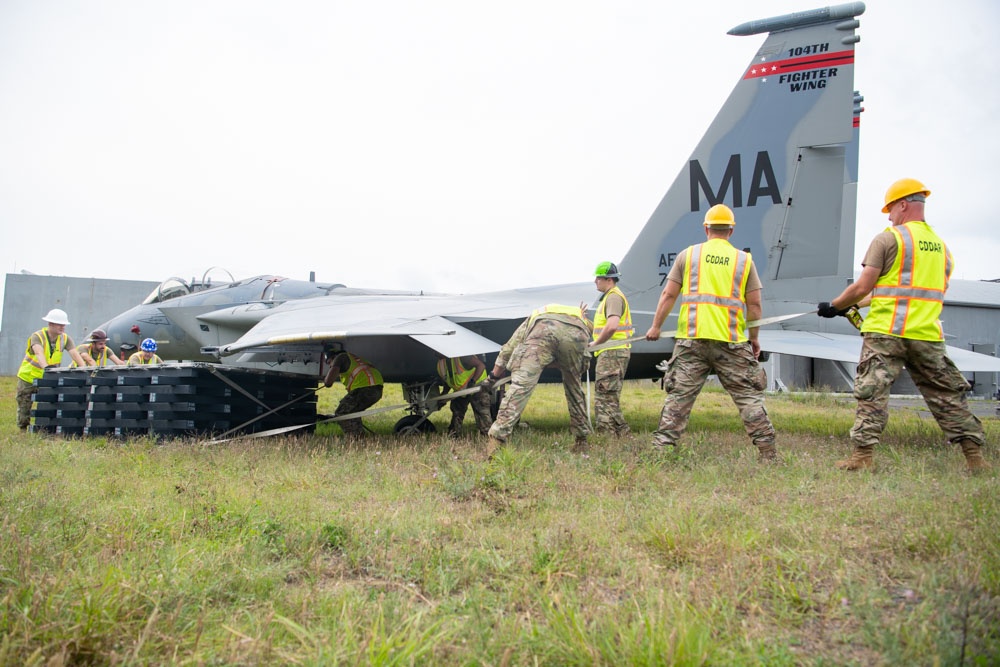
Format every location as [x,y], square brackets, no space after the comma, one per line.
[625,328]
[360,374]
[907,300]
[713,293]
[456,375]
[100,360]
[29,371]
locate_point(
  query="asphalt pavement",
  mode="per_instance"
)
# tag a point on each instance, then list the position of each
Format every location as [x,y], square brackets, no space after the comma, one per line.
[982,408]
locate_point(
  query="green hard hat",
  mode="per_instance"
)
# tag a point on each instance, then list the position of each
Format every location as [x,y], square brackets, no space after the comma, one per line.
[607,270]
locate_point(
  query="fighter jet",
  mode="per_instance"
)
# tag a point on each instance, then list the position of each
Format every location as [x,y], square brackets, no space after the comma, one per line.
[170,314]
[782,153]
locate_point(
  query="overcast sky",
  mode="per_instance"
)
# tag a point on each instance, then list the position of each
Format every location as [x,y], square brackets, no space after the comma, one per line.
[364,139]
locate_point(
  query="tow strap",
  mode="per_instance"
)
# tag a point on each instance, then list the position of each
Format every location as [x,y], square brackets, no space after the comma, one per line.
[671,334]
[352,415]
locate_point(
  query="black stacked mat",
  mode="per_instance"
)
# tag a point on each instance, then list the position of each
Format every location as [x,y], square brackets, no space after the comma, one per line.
[61,403]
[171,400]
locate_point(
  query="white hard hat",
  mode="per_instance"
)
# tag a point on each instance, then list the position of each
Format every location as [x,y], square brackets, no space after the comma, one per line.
[57,316]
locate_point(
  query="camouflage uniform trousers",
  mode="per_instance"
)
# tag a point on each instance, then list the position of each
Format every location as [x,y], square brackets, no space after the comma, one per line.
[24,392]
[548,341]
[481,403]
[609,376]
[739,373]
[357,400]
[939,381]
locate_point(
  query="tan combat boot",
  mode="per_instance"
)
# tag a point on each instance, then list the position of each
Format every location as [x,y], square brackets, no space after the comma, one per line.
[861,459]
[974,461]
[580,445]
[768,452]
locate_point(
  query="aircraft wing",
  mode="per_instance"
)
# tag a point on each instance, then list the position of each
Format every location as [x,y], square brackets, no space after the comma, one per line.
[814,344]
[847,348]
[968,361]
[428,320]
[297,327]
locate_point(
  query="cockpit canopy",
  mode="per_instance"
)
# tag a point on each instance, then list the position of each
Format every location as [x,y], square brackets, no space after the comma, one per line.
[173,287]
[169,289]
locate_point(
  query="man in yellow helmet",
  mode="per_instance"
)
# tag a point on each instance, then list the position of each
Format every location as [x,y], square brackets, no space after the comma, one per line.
[554,335]
[720,292]
[44,349]
[612,321]
[906,271]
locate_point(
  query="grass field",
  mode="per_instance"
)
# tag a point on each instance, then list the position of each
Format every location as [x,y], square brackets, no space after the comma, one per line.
[387,551]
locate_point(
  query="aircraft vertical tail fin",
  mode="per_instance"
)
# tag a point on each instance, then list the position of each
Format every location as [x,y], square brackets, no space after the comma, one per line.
[782,153]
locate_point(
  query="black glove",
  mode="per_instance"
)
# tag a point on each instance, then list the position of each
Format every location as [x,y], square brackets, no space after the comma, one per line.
[826,309]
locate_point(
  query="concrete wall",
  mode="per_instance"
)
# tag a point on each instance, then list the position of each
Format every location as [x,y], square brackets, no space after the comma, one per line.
[89,302]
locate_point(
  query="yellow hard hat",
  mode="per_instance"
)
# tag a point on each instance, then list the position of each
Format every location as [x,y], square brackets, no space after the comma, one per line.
[904,187]
[720,214]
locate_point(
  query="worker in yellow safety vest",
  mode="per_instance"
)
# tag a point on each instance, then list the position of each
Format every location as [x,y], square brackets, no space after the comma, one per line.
[612,321]
[553,335]
[906,271]
[44,350]
[720,292]
[146,355]
[363,383]
[95,352]
[458,373]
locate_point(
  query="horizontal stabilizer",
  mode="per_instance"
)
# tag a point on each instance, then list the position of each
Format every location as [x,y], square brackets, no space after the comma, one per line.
[814,344]
[847,348]
[968,361]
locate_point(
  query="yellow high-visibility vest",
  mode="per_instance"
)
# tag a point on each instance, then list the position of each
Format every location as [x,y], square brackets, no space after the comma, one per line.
[30,369]
[557,309]
[360,374]
[101,359]
[457,376]
[713,293]
[136,359]
[907,301]
[625,328]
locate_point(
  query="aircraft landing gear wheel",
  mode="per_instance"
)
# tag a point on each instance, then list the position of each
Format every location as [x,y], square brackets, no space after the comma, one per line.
[413,425]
